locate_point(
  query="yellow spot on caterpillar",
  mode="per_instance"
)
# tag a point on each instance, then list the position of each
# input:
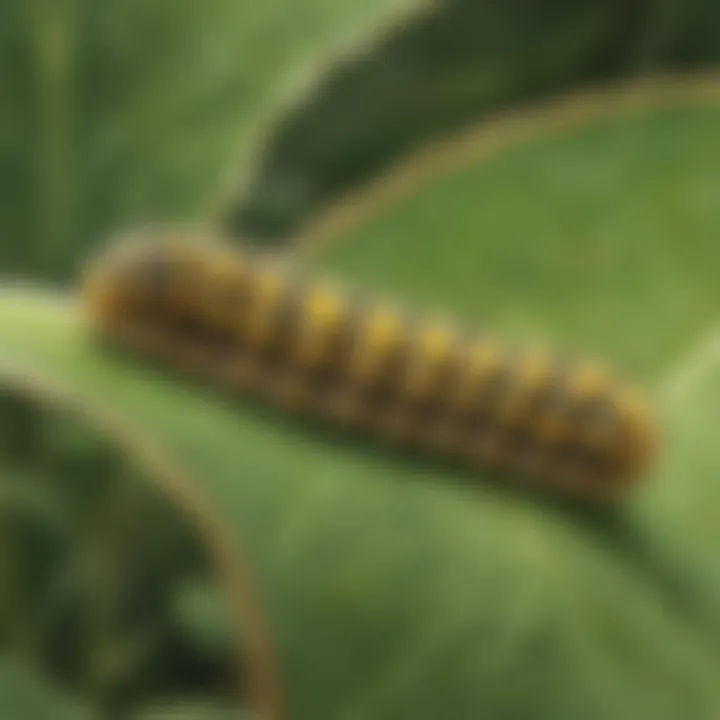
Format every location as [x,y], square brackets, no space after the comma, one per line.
[588,381]
[530,374]
[225,275]
[631,407]
[383,329]
[381,333]
[436,342]
[484,360]
[268,288]
[225,281]
[433,346]
[534,370]
[324,310]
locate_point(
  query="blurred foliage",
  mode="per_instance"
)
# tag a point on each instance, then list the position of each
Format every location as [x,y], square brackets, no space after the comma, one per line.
[25,696]
[445,69]
[97,571]
[393,587]
[114,112]
[190,710]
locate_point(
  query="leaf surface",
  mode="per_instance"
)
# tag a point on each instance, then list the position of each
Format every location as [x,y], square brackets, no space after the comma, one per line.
[397,588]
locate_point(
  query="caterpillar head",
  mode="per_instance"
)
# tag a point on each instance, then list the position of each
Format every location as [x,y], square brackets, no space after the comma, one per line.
[131,274]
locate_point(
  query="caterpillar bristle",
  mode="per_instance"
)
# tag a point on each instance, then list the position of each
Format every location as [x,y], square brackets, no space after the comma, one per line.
[247,321]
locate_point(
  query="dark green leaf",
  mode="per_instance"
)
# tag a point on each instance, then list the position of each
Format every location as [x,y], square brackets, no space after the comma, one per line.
[115,112]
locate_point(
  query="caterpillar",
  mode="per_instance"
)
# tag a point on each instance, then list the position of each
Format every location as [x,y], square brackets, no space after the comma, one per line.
[247,319]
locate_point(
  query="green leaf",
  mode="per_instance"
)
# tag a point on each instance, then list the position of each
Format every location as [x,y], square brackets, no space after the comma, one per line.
[680,515]
[116,112]
[433,74]
[394,588]
[440,71]
[603,238]
[23,696]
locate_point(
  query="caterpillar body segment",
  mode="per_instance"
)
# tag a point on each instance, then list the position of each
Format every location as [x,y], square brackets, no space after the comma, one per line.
[247,321]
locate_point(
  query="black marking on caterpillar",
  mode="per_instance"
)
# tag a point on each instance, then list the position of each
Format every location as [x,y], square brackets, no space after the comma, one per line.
[245,320]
